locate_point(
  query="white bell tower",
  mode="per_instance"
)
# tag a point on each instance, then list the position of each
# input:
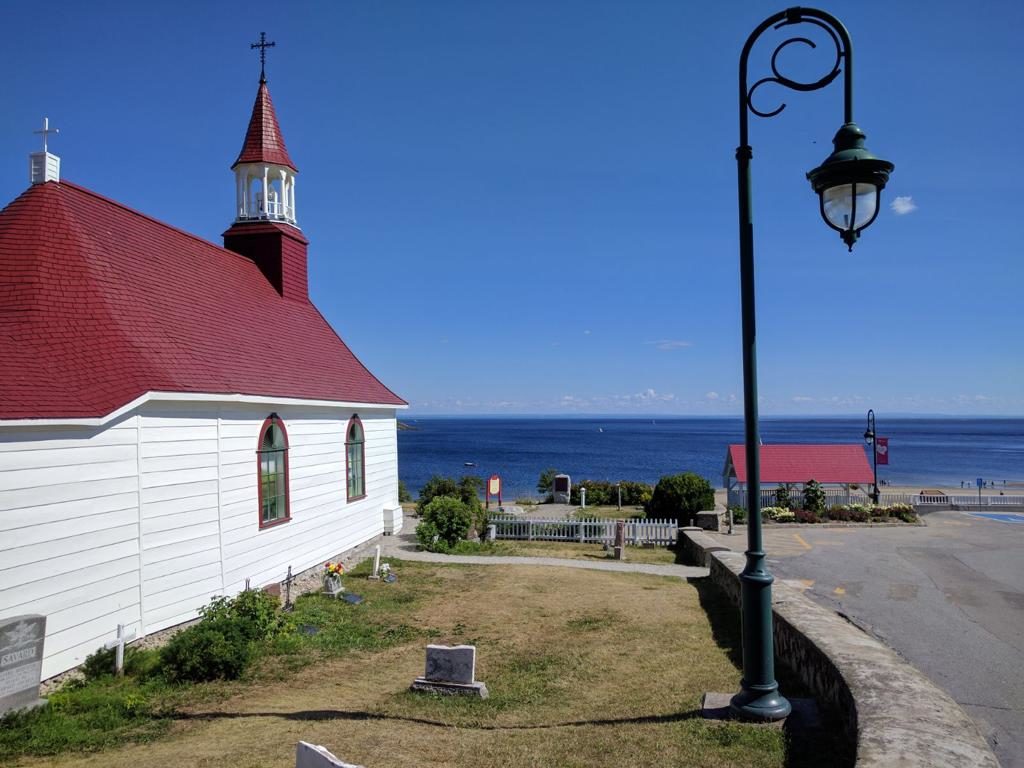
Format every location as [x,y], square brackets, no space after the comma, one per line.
[264,173]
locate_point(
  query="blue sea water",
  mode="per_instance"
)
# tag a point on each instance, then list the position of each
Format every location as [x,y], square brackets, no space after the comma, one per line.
[923,451]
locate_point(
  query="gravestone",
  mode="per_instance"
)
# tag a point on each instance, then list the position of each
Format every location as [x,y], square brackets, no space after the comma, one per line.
[561,489]
[314,756]
[451,670]
[620,539]
[21,661]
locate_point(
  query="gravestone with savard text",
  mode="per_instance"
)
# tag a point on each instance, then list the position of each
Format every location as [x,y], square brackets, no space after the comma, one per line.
[21,661]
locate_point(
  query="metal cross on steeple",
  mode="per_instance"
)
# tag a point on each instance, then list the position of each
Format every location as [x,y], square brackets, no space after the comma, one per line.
[263,45]
[46,130]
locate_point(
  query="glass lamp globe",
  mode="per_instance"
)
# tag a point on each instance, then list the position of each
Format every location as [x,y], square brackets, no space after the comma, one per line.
[849,184]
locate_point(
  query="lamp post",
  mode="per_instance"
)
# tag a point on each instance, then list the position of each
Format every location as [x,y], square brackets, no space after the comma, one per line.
[869,438]
[848,185]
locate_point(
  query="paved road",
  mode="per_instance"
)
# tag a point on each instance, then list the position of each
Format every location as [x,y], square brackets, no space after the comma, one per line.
[948,597]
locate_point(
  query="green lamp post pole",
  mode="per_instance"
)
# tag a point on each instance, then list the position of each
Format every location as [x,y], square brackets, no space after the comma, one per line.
[848,184]
[869,438]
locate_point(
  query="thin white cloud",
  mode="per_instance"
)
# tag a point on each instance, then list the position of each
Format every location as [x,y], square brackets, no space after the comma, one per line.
[668,345]
[712,396]
[903,205]
[801,399]
[586,333]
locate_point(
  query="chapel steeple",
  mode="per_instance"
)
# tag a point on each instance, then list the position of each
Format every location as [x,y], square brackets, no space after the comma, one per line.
[265,229]
[264,172]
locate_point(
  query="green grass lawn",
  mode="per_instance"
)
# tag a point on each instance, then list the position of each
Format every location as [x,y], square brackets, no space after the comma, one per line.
[584,668]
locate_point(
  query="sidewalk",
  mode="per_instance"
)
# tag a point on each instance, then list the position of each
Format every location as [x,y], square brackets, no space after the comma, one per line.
[403,547]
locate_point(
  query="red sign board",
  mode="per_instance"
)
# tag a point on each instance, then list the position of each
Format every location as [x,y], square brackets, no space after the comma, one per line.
[493,489]
[882,449]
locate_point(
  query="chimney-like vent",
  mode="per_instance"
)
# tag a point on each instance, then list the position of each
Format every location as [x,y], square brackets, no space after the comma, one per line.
[43,166]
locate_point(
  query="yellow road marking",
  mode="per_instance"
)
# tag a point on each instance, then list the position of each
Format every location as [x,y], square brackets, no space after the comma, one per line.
[839,591]
[801,541]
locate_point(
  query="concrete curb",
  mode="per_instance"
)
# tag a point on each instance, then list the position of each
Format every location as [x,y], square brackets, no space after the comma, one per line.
[896,716]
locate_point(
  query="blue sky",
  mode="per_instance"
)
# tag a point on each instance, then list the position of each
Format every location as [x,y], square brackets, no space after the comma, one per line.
[530,207]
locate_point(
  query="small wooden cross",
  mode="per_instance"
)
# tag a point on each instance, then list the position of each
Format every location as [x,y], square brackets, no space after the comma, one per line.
[262,45]
[122,638]
[288,581]
[46,131]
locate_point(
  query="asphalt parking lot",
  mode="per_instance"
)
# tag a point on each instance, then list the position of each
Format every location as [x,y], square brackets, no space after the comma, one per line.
[948,597]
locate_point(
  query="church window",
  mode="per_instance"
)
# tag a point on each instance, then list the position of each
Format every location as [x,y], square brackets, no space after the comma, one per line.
[272,458]
[355,459]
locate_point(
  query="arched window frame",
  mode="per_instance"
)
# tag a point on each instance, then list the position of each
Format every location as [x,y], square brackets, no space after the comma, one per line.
[272,420]
[352,492]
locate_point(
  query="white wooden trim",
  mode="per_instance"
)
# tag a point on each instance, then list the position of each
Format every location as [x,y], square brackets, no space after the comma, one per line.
[138,477]
[185,397]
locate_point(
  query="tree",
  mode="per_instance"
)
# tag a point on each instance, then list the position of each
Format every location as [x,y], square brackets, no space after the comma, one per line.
[403,492]
[679,497]
[546,481]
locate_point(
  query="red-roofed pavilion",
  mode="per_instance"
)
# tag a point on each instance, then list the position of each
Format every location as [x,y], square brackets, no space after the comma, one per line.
[840,466]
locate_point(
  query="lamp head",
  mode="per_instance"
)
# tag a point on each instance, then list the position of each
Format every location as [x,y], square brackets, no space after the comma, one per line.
[849,184]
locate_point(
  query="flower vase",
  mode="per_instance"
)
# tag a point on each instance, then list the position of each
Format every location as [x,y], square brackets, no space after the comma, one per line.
[332,584]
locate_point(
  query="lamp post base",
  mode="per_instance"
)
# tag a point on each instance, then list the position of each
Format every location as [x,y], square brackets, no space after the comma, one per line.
[760,705]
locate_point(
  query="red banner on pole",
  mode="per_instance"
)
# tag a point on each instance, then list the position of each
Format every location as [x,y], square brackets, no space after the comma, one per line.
[882,448]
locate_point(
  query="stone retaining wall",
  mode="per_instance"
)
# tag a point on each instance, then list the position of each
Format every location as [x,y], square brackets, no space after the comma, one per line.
[896,716]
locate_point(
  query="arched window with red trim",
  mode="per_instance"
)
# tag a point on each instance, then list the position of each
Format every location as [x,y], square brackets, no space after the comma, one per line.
[355,459]
[272,466]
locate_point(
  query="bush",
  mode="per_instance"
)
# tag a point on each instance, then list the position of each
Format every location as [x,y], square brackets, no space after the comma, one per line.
[466,489]
[403,493]
[140,663]
[546,482]
[814,497]
[739,514]
[772,513]
[786,516]
[839,513]
[679,497]
[446,521]
[257,613]
[904,512]
[806,516]
[209,650]
[782,497]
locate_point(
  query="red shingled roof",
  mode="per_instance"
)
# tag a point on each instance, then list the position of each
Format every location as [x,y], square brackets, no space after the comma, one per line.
[800,463]
[263,140]
[100,304]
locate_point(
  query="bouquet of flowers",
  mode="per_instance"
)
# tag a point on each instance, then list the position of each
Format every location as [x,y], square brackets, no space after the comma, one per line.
[333,569]
[332,577]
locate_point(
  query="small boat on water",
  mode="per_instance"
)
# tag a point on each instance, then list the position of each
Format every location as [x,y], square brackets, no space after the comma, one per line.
[469,463]
[600,429]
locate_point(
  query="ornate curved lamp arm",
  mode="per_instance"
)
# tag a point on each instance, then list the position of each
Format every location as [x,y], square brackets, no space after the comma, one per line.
[844,52]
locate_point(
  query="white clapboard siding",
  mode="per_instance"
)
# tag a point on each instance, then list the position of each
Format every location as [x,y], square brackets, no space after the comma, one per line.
[69,533]
[143,521]
[181,527]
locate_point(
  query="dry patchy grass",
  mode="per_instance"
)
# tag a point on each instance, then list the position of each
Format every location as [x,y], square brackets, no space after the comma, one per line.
[568,550]
[584,668]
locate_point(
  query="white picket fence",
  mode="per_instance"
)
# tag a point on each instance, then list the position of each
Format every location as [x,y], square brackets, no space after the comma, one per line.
[638,532]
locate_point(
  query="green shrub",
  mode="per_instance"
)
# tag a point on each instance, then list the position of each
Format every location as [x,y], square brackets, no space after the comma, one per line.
[786,516]
[210,650]
[679,497]
[141,663]
[739,514]
[904,512]
[772,513]
[782,497]
[256,612]
[814,497]
[403,493]
[546,482]
[446,520]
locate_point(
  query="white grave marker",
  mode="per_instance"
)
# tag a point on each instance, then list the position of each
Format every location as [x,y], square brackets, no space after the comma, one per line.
[119,643]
